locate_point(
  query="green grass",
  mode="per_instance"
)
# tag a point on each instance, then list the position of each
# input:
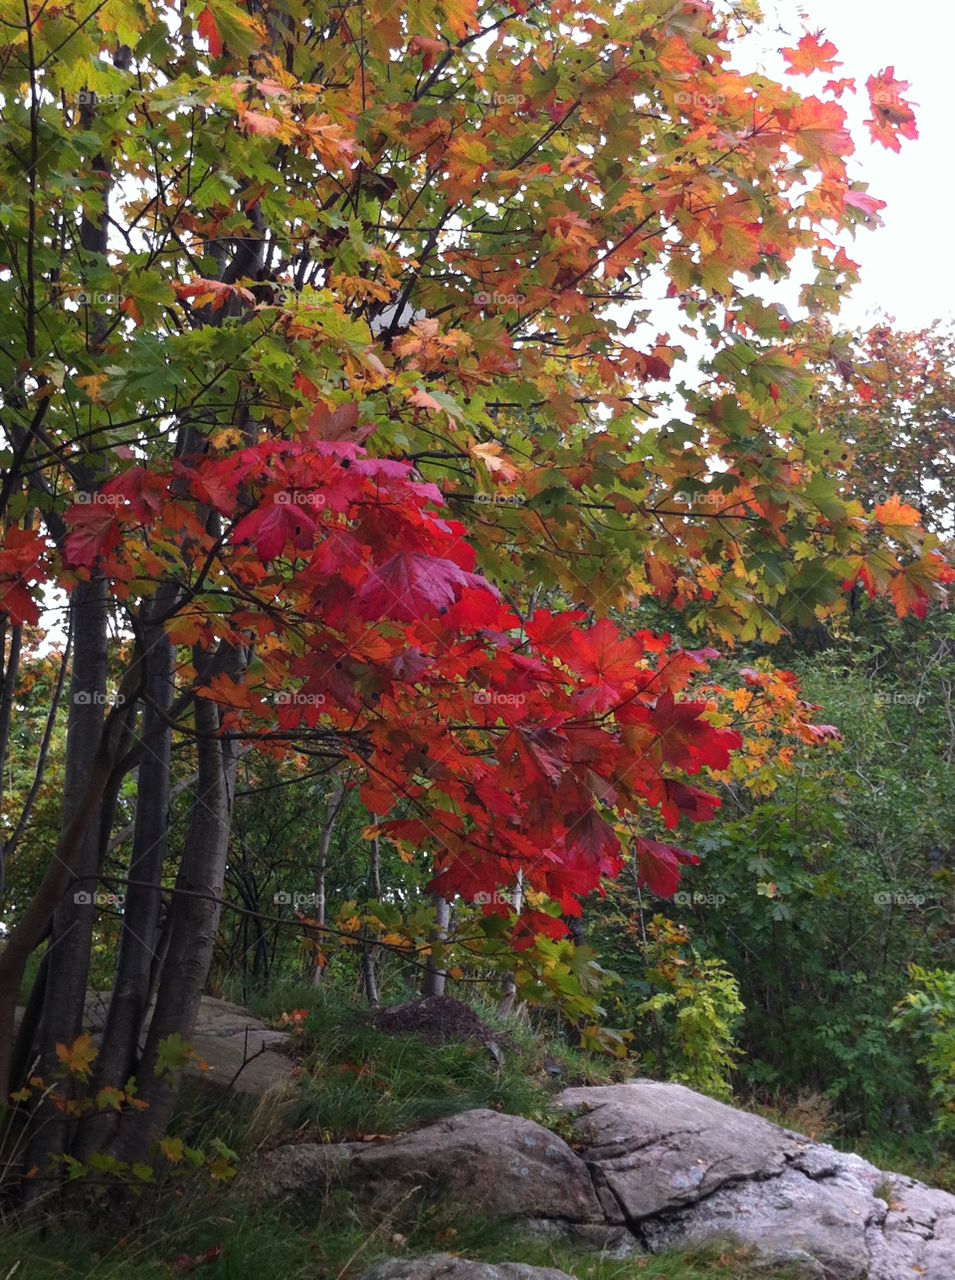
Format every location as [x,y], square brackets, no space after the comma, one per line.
[357,1081]
[269,1246]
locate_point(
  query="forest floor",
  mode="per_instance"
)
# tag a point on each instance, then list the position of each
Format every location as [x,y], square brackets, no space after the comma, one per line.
[355,1075]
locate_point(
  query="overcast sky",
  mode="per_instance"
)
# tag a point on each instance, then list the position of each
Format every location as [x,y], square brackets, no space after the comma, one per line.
[908,266]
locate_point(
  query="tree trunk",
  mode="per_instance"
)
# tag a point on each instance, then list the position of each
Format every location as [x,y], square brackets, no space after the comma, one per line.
[435,978]
[194,919]
[334,805]
[140,933]
[67,966]
[369,979]
[509,993]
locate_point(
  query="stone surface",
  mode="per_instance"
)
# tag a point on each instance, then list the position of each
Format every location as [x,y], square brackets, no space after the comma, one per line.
[480,1162]
[653,1147]
[442,1266]
[238,1049]
[678,1168]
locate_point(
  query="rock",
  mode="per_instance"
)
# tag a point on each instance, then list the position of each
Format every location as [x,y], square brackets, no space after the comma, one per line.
[679,1168]
[238,1049]
[480,1162]
[653,1147]
[442,1266]
[657,1167]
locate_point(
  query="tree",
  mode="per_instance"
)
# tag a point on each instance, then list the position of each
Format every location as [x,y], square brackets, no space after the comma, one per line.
[275,273]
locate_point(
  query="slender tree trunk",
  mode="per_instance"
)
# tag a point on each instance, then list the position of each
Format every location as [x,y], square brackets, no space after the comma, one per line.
[509,994]
[192,931]
[435,978]
[140,933]
[335,800]
[368,976]
[67,966]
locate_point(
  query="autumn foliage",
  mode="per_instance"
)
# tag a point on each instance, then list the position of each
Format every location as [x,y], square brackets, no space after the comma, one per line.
[349,392]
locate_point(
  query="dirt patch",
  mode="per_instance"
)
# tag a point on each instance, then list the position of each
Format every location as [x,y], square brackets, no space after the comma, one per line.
[438,1020]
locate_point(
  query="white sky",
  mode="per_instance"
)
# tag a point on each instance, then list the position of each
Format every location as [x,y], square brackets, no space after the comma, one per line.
[908,265]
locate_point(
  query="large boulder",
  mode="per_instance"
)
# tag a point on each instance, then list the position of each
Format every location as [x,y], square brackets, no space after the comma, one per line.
[479,1162]
[442,1266]
[678,1168]
[653,1147]
[656,1167]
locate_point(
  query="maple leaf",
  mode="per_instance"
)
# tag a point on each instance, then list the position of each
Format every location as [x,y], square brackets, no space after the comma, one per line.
[658,866]
[491,454]
[410,585]
[77,1058]
[811,55]
[818,130]
[19,567]
[204,292]
[339,423]
[94,533]
[206,27]
[274,526]
[892,115]
[900,521]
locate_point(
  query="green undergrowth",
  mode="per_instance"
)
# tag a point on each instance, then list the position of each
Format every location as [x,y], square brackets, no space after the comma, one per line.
[356,1081]
[214,1240]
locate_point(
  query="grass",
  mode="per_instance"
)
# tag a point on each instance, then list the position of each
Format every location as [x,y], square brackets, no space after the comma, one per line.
[270,1246]
[355,1082]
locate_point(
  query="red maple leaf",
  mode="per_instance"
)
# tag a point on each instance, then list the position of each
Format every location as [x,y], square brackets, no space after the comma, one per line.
[411,585]
[658,866]
[892,115]
[209,32]
[811,55]
[94,532]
